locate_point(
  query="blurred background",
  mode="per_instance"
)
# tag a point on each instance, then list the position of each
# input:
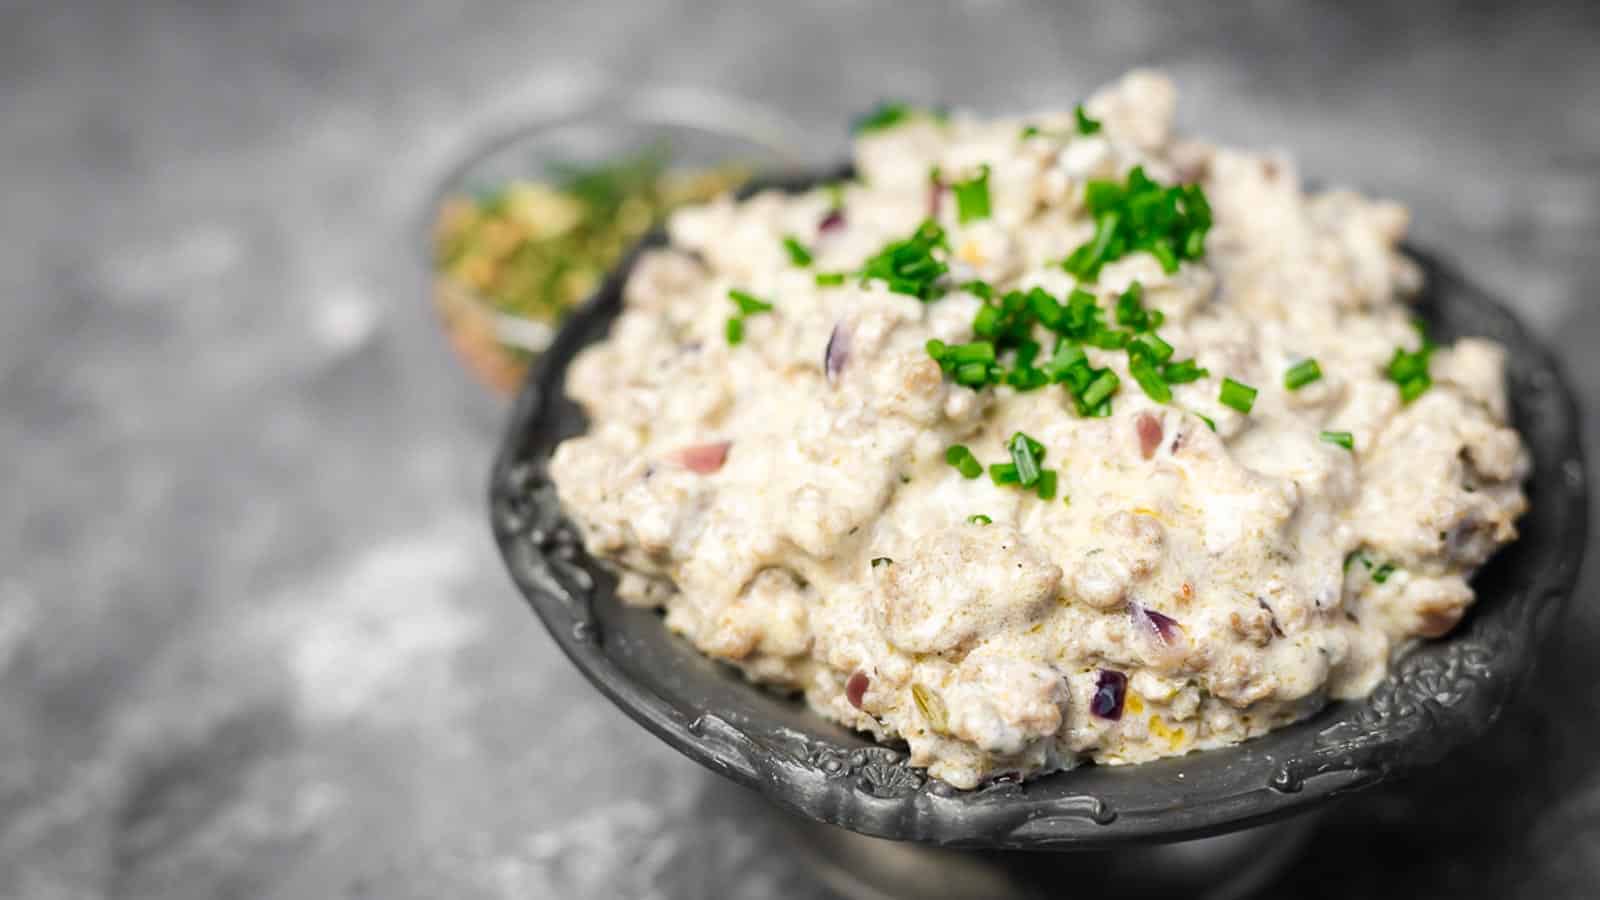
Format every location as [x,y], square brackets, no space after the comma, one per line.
[255,640]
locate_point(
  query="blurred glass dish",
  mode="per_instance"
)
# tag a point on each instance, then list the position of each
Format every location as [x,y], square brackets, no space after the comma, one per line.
[527,228]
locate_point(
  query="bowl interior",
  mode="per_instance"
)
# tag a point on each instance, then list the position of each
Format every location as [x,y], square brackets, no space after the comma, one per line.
[1440,696]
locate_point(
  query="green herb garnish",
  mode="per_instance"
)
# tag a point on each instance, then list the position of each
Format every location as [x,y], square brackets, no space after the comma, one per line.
[1340,438]
[1046,488]
[798,254]
[1409,370]
[734,330]
[1025,455]
[1182,372]
[1237,395]
[1149,379]
[1086,125]
[830,279]
[1301,374]
[1003,473]
[964,462]
[1139,214]
[908,266]
[749,304]
[972,197]
[881,561]
[885,115]
[979,519]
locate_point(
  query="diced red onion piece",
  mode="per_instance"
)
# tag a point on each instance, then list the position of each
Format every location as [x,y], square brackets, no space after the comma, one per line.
[856,688]
[837,352]
[704,458]
[1109,690]
[833,221]
[1164,627]
[1149,428]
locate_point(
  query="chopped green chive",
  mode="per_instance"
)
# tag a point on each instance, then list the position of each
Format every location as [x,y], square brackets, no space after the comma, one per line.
[734,330]
[979,519]
[1301,374]
[979,288]
[798,254]
[972,197]
[1182,372]
[1206,419]
[1086,125]
[1139,214]
[1130,308]
[1149,379]
[1415,388]
[1151,346]
[1100,390]
[1382,573]
[885,115]
[908,266]
[749,304]
[1340,438]
[1003,473]
[1046,488]
[1409,369]
[962,459]
[976,351]
[973,375]
[1025,453]
[1237,395]
[830,279]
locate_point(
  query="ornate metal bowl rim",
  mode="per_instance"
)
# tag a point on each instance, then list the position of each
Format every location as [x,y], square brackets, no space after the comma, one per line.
[1440,696]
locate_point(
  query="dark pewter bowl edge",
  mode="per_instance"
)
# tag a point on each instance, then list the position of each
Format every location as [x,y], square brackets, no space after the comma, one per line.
[1439,697]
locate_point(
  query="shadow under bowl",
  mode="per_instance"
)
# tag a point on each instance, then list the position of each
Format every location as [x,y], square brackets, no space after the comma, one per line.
[1440,696]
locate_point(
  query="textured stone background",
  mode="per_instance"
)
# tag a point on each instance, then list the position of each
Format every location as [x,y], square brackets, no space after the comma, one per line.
[254,640]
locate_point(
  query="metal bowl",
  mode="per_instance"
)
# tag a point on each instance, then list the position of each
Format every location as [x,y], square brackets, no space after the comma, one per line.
[1443,694]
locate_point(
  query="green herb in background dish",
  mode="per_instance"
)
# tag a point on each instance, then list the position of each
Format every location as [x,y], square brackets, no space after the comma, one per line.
[533,250]
[972,197]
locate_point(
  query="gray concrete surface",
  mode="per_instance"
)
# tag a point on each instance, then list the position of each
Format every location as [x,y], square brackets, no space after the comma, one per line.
[254,641]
